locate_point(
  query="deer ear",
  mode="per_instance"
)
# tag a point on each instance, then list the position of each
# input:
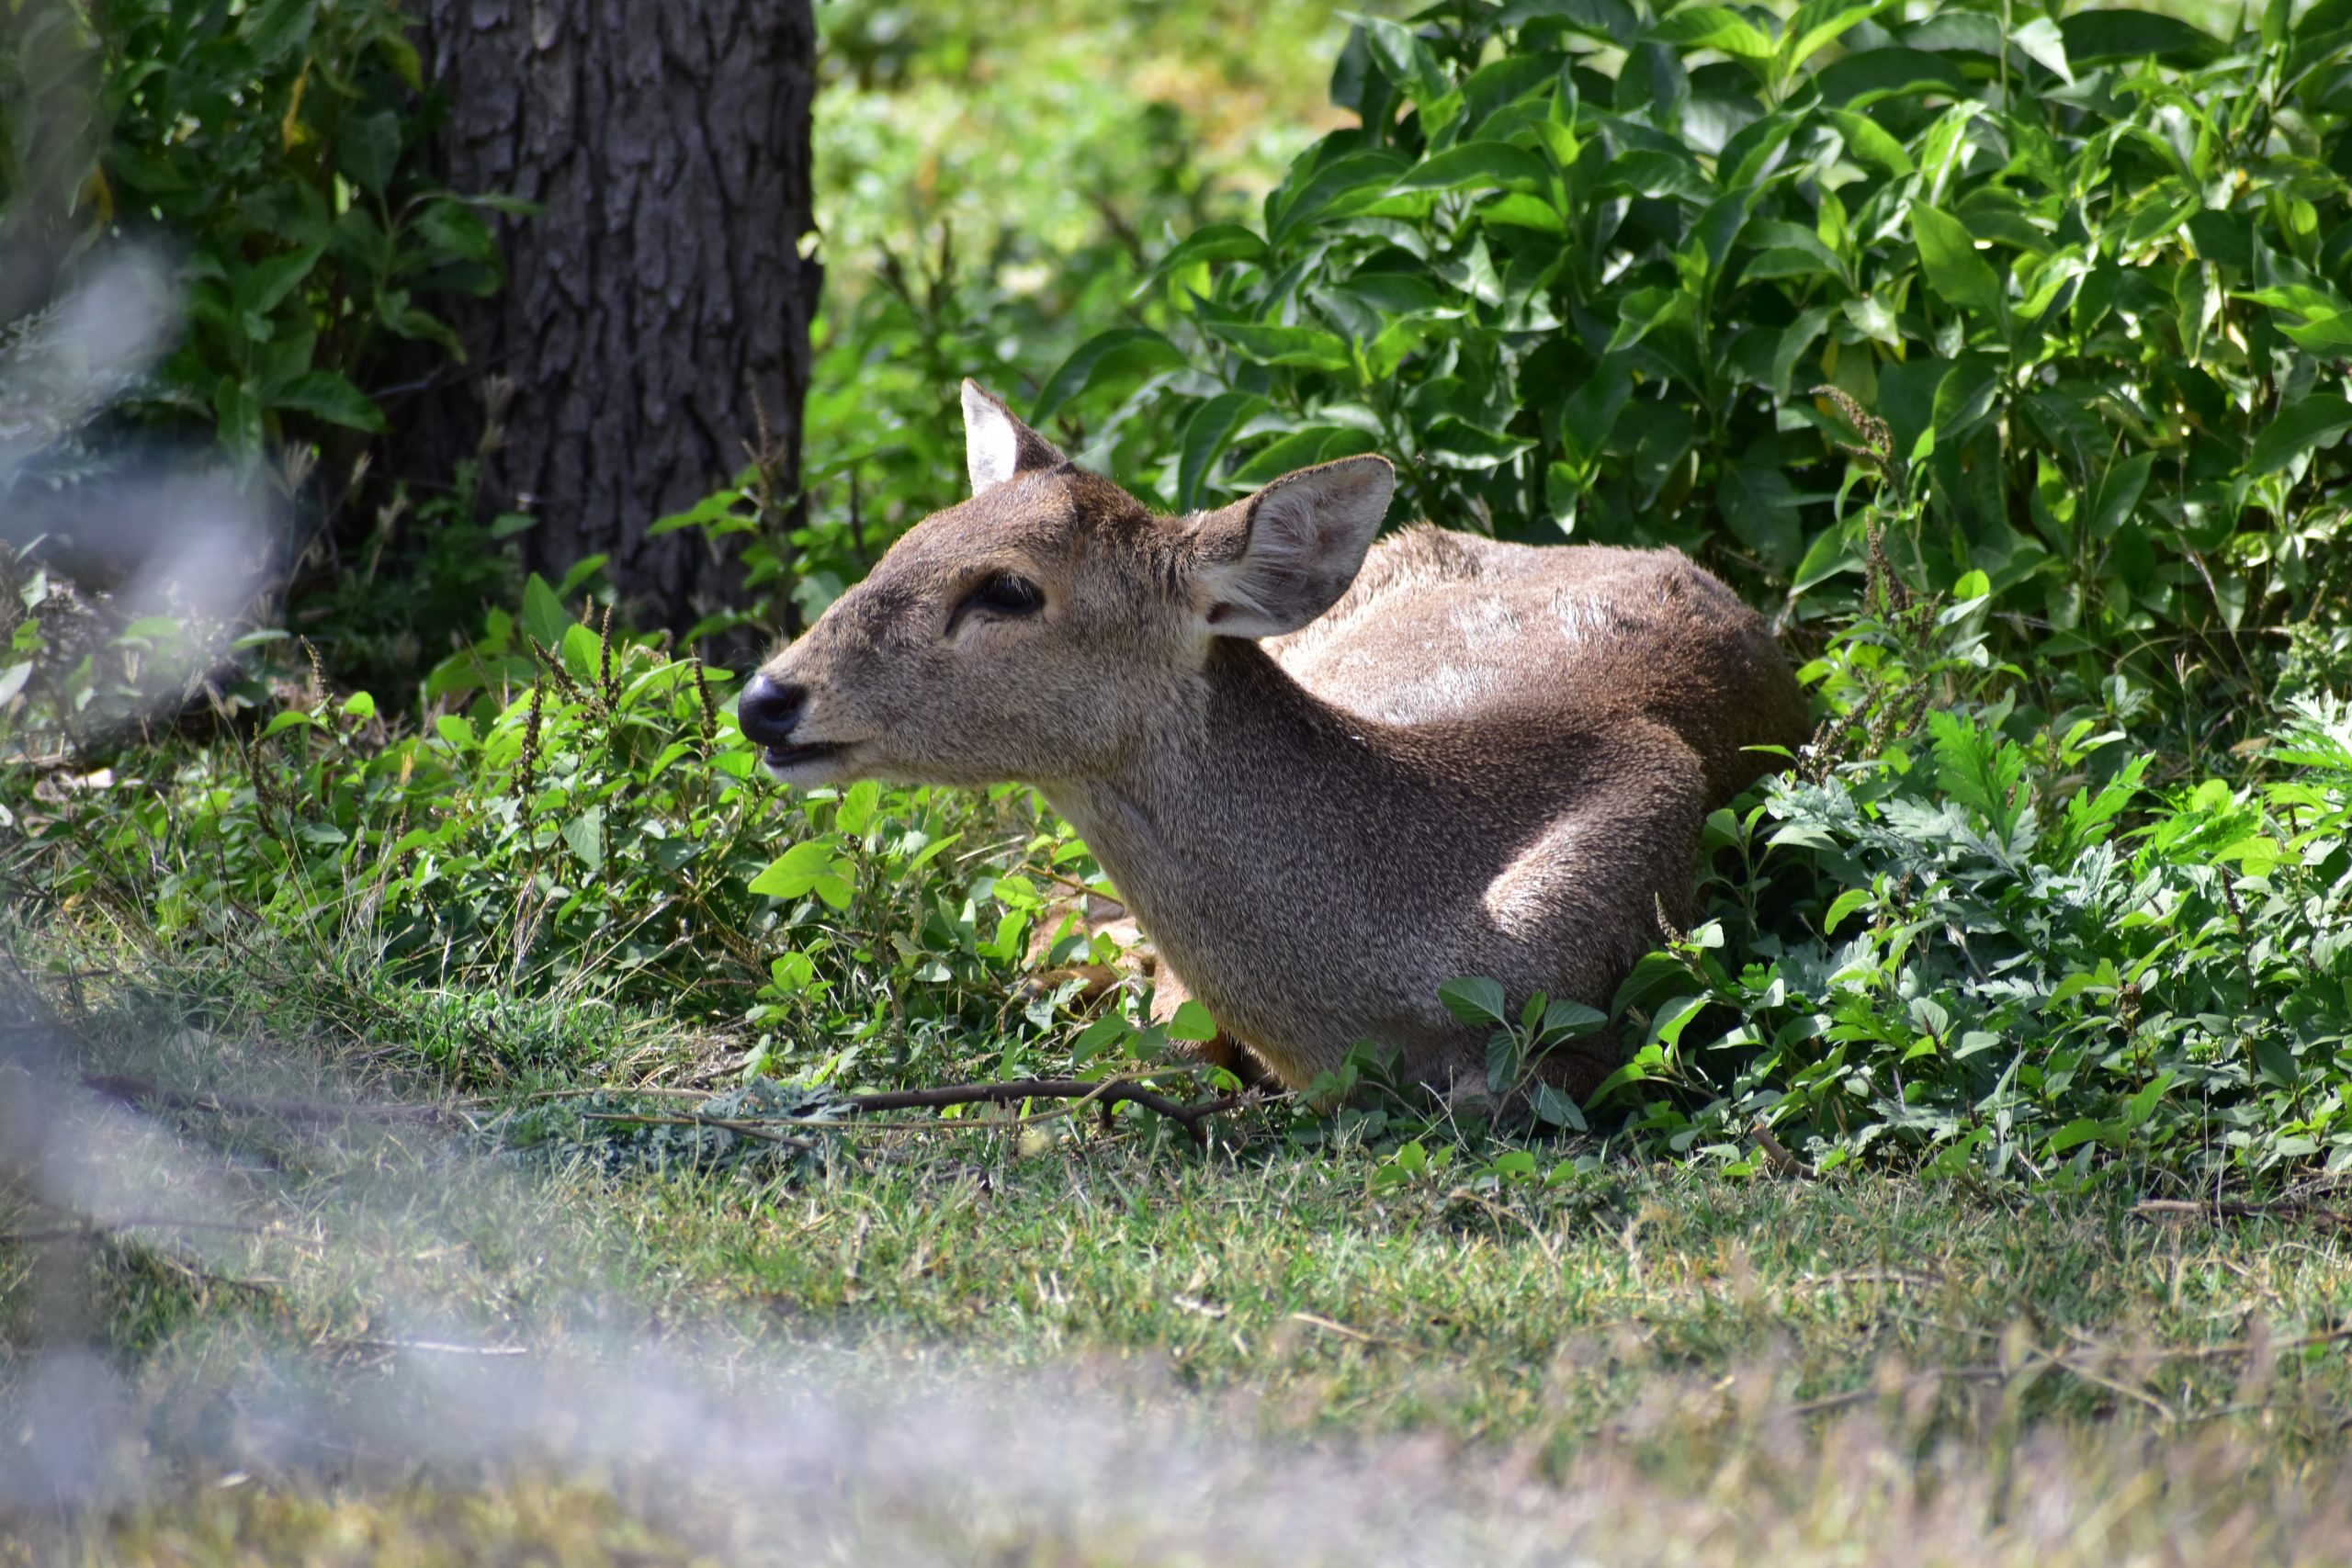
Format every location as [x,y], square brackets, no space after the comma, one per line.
[996,445]
[1275,561]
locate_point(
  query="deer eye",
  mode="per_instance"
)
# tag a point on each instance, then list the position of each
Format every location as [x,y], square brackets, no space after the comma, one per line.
[1006,593]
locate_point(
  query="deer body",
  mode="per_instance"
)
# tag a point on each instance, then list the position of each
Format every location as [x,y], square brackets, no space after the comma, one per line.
[1447,756]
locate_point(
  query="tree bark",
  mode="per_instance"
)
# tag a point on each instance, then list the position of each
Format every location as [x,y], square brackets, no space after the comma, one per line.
[658,307]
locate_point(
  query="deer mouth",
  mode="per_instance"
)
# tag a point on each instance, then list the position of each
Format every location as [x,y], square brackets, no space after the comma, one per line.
[783,759]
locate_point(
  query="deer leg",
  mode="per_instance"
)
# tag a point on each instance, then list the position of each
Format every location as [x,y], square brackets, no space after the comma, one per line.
[1224,1050]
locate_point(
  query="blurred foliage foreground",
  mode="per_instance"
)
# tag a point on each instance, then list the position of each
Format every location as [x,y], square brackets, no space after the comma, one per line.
[2003,354]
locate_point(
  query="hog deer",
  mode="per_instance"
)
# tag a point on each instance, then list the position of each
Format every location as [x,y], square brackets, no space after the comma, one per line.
[1326,776]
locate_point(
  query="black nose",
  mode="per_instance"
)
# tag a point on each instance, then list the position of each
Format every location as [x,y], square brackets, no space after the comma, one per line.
[768,710]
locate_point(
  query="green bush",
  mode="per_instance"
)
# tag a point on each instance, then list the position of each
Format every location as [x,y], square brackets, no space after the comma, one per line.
[272,147]
[1581,265]
[579,816]
[1975,949]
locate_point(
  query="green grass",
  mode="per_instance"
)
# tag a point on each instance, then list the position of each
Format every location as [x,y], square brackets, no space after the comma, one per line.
[1640,1351]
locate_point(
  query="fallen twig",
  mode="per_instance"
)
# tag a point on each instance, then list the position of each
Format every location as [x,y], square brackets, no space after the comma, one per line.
[1108,1093]
[1777,1156]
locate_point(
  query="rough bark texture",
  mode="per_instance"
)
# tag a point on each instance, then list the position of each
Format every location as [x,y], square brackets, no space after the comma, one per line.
[662,285]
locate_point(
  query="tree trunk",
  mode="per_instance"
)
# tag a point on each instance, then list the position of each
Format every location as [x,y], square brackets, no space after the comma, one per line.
[658,305]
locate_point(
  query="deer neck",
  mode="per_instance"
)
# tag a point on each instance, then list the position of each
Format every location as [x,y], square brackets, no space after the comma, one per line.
[1249,784]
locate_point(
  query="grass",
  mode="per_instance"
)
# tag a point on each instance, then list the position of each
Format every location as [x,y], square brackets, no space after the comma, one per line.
[1064,1345]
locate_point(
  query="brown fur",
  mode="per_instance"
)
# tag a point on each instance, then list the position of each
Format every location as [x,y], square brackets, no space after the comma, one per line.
[1483,759]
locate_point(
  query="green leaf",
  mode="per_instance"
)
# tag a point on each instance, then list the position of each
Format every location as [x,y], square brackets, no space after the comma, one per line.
[1672,1017]
[1590,414]
[1860,80]
[1453,443]
[1845,903]
[1504,1061]
[1406,60]
[792,973]
[1401,294]
[585,835]
[1191,1021]
[2119,489]
[237,414]
[1299,449]
[265,287]
[368,149]
[724,512]
[275,30]
[1978,768]
[1870,142]
[2328,335]
[1206,435]
[1308,347]
[1213,242]
[1474,999]
[810,867]
[2046,46]
[325,394]
[1954,269]
[2275,1063]
[1650,171]
[858,809]
[2093,37]
[1556,1109]
[2300,427]
[544,617]
[1565,1020]
[1820,23]
[2081,1130]
[1718,27]
[1121,353]
[1520,210]
[1479,165]
[1340,188]
[1762,508]
[1612,20]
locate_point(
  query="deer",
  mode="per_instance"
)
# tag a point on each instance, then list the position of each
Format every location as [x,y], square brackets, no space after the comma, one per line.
[1325,775]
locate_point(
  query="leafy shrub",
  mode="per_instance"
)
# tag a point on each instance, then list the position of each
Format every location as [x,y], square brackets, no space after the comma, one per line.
[580,816]
[272,146]
[1986,971]
[1582,260]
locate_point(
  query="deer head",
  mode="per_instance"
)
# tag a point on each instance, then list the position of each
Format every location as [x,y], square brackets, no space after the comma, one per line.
[1038,631]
